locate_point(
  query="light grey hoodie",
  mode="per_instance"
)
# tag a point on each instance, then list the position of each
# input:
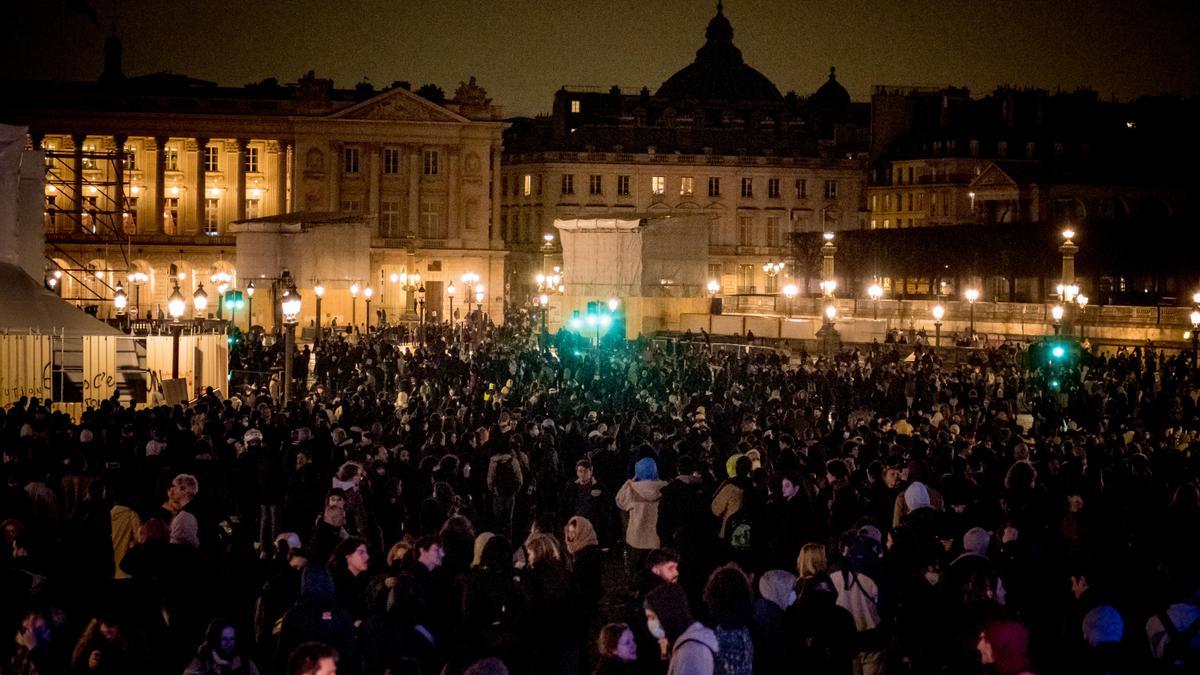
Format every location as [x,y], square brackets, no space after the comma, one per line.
[694,652]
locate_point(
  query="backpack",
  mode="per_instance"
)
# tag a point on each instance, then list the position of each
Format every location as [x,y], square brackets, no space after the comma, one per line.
[1178,655]
[740,530]
[505,482]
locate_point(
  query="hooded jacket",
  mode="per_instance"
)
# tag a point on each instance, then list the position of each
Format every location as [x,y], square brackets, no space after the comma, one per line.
[694,652]
[641,498]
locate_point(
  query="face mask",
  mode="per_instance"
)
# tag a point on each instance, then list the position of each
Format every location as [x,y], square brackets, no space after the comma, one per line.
[656,629]
[791,599]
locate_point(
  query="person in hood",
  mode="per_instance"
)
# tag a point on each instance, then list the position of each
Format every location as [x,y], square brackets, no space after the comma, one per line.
[692,646]
[777,591]
[1004,648]
[318,617]
[640,497]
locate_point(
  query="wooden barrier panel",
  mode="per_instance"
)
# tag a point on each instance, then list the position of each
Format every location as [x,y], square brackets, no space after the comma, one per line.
[26,364]
[99,368]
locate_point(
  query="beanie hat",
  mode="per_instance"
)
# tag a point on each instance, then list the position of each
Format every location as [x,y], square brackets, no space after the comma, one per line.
[776,586]
[976,541]
[731,465]
[1010,645]
[916,496]
[1103,625]
[645,469]
[669,602]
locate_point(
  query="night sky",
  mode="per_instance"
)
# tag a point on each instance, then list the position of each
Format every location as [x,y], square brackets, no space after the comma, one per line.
[522,51]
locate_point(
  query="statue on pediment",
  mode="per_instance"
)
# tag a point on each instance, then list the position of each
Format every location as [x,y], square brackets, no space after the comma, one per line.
[470,93]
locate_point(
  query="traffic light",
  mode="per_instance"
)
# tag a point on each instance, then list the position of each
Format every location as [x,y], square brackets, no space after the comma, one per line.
[233,299]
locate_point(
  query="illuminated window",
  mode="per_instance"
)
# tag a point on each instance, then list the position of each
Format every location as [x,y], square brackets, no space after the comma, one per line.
[252,208]
[210,158]
[431,221]
[714,186]
[595,184]
[576,105]
[527,185]
[391,160]
[745,278]
[773,188]
[350,158]
[568,184]
[171,214]
[389,217]
[251,163]
[171,159]
[88,161]
[211,211]
[831,188]
[130,162]
[747,186]
[686,186]
[623,186]
[430,162]
[658,185]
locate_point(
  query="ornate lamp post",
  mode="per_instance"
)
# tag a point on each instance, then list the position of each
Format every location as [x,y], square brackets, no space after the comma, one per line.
[319,291]
[479,295]
[971,294]
[450,291]
[137,278]
[938,313]
[790,292]
[120,301]
[828,331]
[249,306]
[200,300]
[875,292]
[290,306]
[421,310]
[354,305]
[1082,301]
[828,250]
[176,305]
[1056,312]
[1195,317]
[367,293]
[220,281]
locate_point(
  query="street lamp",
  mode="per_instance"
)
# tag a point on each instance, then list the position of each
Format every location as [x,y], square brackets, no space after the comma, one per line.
[249,305]
[220,281]
[175,306]
[353,305]
[421,310]
[1195,317]
[1082,301]
[1056,313]
[790,292]
[828,250]
[613,304]
[971,294]
[137,278]
[875,292]
[367,293]
[714,287]
[319,291]
[290,305]
[200,300]
[938,313]
[479,291]
[450,290]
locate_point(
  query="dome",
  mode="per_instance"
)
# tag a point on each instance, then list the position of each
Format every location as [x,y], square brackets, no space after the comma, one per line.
[831,94]
[719,73]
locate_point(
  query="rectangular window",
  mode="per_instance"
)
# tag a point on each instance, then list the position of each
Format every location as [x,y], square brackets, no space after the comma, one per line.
[576,105]
[745,231]
[745,278]
[129,217]
[431,221]
[1002,148]
[831,189]
[89,162]
[251,163]
[171,214]
[539,185]
[211,209]
[686,186]
[595,184]
[747,187]
[658,185]
[772,284]
[773,188]
[568,184]
[391,160]
[910,201]
[910,175]
[351,205]
[252,208]
[210,158]
[389,217]
[429,162]
[171,159]
[527,184]
[623,186]
[874,201]
[801,188]
[350,160]
[773,231]
[130,162]
[714,186]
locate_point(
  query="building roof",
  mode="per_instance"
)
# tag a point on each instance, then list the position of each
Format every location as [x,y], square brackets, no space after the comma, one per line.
[719,73]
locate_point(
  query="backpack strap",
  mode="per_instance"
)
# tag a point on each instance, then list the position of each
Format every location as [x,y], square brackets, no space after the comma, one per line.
[710,649]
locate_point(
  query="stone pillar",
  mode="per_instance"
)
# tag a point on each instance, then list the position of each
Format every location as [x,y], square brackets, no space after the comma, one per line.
[281,176]
[414,190]
[373,169]
[239,173]
[119,182]
[452,193]
[158,186]
[77,181]
[494,228]
[200,190]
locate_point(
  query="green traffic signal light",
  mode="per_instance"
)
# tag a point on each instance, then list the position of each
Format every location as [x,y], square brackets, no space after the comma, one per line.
[1058,351]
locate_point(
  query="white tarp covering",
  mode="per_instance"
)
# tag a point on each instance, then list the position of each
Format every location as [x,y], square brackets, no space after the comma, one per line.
[635,257]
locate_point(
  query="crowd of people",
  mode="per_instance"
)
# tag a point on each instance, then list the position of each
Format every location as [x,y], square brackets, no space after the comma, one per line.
[493,501]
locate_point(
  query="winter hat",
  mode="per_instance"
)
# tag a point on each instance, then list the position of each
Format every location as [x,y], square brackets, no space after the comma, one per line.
[916,496]
[669,602]
[252,435]
[1010,645]
[292,539]
[1103,625]
[976,541]
[871,532]
[777,586]
[645,469]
